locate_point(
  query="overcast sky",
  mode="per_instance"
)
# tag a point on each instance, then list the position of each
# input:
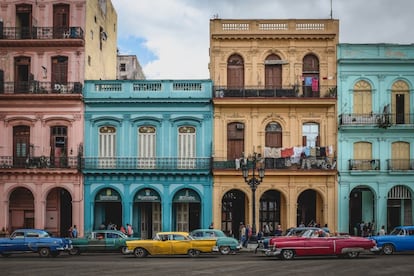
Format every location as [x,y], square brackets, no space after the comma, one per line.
[171,37]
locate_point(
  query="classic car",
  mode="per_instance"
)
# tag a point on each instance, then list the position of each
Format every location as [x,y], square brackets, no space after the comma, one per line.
[100,241]
[400,239]
[263,243]
[171,243]
[225,244]
[33,241]
[317,242]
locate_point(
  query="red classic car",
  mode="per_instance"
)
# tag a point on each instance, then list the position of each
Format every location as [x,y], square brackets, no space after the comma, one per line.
[316,242]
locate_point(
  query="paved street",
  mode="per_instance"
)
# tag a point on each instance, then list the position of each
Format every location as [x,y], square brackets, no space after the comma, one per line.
[245,263]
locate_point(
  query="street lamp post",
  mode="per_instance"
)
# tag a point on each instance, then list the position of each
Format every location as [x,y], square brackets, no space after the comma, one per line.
[255,163]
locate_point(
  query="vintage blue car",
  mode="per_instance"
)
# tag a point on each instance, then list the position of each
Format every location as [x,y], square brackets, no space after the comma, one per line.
[101,241]
[400,239]
[225,244]
[33,240]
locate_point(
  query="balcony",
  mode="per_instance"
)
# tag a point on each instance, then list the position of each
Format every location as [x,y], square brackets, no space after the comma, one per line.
[294,91]
[37,87]
[41,36]
[284,163]
[400,165]
[151,164]
[364,164]
[38,162]
[376,119]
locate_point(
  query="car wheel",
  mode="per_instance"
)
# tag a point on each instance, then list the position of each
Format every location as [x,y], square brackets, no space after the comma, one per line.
[124,250]
[352,255]
[44,252]
[193,253]
[225,250]
[140,252]
[388,249]
[288,254]
[74,251]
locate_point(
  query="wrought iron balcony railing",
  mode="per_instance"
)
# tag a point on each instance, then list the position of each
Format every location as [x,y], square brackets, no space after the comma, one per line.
[16,33]
[38,162]
[378,119]
[294,91]
[310,163]
[37,87]
[400,164]
[138,163]
[364,164]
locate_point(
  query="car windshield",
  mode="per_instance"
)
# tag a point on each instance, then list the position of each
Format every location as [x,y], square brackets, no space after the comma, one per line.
[397,231]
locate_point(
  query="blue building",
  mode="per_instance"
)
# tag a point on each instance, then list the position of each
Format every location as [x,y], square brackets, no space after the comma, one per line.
[147,154]
[375,136]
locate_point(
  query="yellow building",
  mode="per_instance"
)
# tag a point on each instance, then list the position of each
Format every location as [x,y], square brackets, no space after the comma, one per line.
[274,95]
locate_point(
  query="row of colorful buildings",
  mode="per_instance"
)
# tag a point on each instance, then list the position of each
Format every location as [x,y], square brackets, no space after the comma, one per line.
[331,123]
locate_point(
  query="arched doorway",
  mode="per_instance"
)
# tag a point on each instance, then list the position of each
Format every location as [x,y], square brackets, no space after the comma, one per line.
[310,75]
[147,213]
[235,72]
[58,212]
[399,207]
[21,209]
[108,208]
[310,208]
[361,209]
[233,212]
[269,212]
[186,210]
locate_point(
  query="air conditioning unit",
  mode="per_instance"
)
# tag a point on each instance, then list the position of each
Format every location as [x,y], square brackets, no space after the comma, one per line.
[239,126]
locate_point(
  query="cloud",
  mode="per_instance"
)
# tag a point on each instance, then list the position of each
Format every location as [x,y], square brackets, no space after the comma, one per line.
[172,36]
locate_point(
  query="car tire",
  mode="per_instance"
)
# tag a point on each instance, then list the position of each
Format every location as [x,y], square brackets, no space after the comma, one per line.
[193,253]
[288,254]
[224,250]
[352,255]
[388,249]
[140,252]
[124,250]
[74,251]
[44,252]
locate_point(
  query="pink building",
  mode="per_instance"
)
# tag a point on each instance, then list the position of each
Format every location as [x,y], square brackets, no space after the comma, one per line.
[45,55]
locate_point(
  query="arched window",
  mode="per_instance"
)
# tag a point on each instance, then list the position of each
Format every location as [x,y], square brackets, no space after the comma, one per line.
[107,146]
[146,146]
[400,102]
[310,135]
[235,140]
[273,72]
[235,72]
[186,147]
[362,98]
[310,74]
[273,135]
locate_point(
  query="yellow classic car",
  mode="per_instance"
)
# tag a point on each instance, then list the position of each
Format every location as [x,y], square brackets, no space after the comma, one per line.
[171,243]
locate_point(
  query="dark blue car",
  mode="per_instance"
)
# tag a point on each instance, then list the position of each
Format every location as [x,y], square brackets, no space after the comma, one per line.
[33,241]
[400,239]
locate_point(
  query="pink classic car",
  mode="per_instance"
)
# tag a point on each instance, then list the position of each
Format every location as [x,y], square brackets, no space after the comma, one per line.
[316,242]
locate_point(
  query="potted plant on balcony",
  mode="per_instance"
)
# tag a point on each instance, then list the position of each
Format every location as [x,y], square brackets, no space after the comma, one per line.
[331,92]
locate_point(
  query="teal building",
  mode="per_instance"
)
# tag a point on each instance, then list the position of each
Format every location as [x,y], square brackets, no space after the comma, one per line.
[147,154]
[375,136]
